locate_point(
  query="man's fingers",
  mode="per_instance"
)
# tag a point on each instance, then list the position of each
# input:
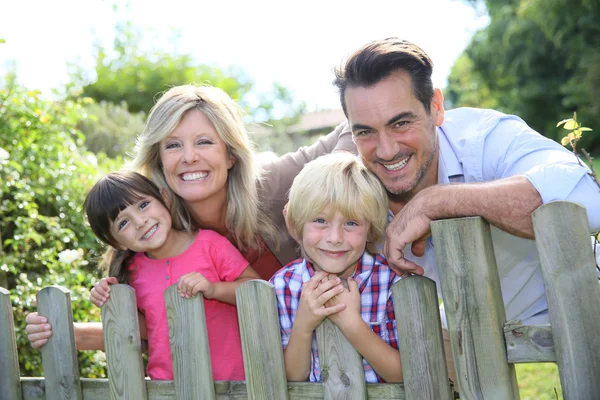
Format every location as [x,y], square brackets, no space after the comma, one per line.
[418,247]
[34,318]
[404,267]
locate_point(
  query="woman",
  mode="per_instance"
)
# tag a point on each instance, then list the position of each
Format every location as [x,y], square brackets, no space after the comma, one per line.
[196,149]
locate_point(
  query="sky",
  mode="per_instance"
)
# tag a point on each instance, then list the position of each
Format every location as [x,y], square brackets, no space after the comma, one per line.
[296,43]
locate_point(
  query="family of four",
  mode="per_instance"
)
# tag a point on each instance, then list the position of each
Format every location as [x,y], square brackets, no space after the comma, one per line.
[203,215]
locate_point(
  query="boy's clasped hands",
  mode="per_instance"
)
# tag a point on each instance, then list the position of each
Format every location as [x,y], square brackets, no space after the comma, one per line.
[325,296]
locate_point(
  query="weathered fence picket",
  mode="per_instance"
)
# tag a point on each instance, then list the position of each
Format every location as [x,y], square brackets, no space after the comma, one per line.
[10,386]
[568,267]
[474,308]
[261,341]
[420,343]
[123,345]
[189,346]
[484,345]
[59,355]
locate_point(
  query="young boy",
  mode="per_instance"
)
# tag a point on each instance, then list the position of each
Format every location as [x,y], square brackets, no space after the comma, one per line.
[337,211]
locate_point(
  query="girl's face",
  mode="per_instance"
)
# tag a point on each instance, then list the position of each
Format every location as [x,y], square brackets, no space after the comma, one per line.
[144,226]
[195,160]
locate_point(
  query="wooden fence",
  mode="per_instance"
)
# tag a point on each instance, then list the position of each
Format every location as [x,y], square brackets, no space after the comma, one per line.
[484,346]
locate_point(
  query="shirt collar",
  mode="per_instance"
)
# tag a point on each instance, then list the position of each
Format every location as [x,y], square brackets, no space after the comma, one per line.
[449,167]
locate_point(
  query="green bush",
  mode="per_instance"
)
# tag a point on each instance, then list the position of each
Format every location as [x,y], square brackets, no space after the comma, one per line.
[110,128]
[45,173]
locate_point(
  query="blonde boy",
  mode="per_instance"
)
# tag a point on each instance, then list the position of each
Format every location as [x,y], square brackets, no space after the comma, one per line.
[337,211]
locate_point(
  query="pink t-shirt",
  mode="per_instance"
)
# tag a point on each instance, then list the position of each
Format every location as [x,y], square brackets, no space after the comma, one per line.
[218,260]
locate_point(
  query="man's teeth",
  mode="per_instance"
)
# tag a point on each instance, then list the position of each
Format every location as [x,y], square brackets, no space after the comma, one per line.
[194,176]
[398,165]
[150,232]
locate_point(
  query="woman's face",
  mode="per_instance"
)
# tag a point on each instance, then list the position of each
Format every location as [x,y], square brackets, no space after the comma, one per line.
[195,160]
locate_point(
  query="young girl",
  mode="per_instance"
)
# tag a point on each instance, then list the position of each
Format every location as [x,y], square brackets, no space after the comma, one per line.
[127,212]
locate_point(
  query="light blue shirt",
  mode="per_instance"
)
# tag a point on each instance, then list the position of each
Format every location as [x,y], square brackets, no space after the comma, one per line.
[484,145]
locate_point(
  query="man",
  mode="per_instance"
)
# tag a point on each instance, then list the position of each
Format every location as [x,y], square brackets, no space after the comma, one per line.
[464,162]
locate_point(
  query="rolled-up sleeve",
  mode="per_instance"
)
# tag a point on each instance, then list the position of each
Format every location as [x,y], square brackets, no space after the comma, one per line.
[512,148]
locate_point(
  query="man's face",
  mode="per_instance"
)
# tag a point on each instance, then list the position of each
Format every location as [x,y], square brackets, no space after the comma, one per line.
[395,136]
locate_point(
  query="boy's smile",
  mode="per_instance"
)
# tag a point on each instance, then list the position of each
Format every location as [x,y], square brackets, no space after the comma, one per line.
[334,243]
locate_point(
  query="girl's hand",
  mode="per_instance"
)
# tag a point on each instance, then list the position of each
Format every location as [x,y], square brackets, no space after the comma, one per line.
[189,285]
[38,329]
[312,309]
[101,290]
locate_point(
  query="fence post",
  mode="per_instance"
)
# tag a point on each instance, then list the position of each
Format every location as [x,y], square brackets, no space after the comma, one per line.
[342,371]
[261,341]
[10,383]
[59,355]
[562,235]
[474,308]
[421,344]
[123,345]
[190,352]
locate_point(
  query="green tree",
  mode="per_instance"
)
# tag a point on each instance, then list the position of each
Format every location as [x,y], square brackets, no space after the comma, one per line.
[131,74]
[539,59]
[44,174]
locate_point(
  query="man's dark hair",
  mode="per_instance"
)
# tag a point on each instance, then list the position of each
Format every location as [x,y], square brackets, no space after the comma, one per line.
[378,60]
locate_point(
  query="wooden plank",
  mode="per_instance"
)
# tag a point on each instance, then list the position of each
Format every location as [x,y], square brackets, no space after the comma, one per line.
[474,308]
[123,345]
[190,352]
[342,371]
[562,235]
[261,340]
[98,389]
[528,344]
[59,355]
[10,386]
[421,344]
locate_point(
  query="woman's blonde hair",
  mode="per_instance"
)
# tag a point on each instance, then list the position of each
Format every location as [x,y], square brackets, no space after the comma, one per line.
[245,219]
[341,182]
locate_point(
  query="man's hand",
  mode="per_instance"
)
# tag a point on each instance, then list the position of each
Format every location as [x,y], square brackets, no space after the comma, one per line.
[410,225]
[312,309]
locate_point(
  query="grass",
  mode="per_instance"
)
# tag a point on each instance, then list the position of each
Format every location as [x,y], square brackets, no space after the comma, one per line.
[539,381]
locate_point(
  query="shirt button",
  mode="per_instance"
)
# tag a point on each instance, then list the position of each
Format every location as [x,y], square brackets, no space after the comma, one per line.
[167,277]
[168,262]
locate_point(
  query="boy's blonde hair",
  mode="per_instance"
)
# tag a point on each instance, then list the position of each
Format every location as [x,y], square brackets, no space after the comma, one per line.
[343,183]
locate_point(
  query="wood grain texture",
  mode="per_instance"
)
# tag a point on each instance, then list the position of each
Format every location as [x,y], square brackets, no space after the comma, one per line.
[122,344]
[98,389]
[474,308]
[190,351]
[421,343]
[342,371]
[261,341]
[527,344]
[10,385]
[59,355]
[562,235]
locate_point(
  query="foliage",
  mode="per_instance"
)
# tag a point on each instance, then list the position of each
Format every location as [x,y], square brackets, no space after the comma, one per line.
[133,75]
[536,59]
[45,174]
[539,381]
[110,128]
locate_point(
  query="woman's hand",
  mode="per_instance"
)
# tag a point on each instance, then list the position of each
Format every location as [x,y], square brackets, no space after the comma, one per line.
[101,290]
[38,329]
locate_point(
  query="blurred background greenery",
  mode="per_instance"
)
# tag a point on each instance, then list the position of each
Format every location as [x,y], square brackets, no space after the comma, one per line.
[539,59]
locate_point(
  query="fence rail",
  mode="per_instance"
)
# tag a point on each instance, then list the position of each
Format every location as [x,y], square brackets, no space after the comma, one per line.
[484,345]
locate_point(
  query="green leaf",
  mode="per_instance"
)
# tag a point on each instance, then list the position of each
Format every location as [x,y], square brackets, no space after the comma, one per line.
[570,125]
[2,40]
[584,129]
[562,122]
[565,141]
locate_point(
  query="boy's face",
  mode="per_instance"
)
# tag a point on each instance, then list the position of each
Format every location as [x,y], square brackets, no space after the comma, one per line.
[143,227]
[334,243]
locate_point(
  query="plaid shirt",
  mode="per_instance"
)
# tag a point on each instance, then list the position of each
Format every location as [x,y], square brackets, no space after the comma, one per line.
[374,279]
